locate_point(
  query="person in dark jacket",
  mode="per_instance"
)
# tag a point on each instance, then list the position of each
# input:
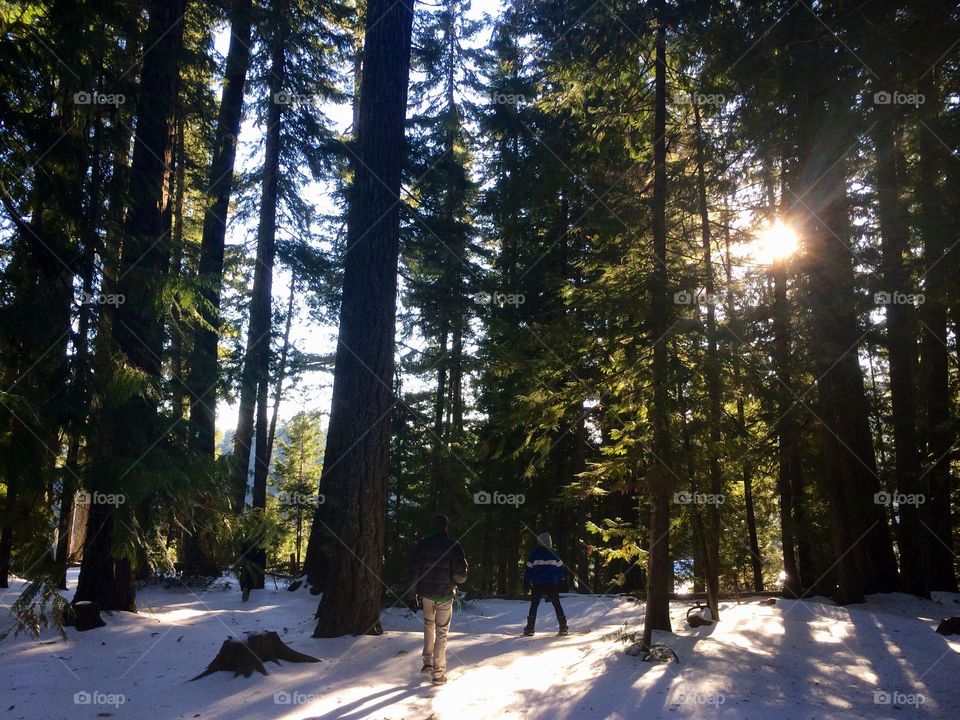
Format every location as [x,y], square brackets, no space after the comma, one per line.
[543,574]
[437,566]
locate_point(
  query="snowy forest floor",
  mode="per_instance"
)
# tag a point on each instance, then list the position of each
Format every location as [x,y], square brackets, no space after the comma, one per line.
[795,660]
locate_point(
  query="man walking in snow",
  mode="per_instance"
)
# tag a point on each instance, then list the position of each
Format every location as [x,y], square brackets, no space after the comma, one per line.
[543,574]
[436,568]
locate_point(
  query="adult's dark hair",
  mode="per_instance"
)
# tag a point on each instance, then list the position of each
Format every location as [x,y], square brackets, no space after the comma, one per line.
[441,521]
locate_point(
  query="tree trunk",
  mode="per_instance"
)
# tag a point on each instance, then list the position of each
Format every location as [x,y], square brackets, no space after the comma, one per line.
[660,474]
[282,369]
[178,180]
[202,380]
[256,366]
[865,560]
[127,428]
[902,349]
[935,356]
[347,538]
[786,427]
[439,406]
[712,376]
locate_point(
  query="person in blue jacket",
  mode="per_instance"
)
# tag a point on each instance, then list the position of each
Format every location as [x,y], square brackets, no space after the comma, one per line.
[543,574]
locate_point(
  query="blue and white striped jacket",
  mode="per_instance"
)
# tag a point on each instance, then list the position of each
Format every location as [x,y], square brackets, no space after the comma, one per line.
[544,567]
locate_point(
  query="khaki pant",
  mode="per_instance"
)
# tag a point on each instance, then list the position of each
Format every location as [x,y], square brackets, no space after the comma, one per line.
[436,623]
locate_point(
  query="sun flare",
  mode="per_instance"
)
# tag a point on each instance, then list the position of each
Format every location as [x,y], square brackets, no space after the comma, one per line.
[776,242]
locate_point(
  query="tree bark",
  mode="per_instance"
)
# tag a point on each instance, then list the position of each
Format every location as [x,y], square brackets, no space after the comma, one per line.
[861,537]
[713,381]
[127,428]
[660,473]
[347,538]
[202,379]
[256,365]
[934,231]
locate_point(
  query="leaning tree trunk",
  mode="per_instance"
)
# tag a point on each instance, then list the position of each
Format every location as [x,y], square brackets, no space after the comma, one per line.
[347,538]
[127,428]
[660,475]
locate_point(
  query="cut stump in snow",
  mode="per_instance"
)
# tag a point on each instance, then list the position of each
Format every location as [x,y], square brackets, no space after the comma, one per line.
[270,648]
[949,626]
[245,656]
[699,615]
[85,616]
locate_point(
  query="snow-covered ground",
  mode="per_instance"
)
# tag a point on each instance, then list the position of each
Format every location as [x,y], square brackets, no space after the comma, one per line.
[794,660]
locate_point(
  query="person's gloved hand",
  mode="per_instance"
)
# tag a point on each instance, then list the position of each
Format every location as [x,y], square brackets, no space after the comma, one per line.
[526,588]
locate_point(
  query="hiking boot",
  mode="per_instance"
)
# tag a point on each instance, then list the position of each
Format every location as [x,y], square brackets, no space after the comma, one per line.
[439,679]
[427,668]
[528,630]
[563,631]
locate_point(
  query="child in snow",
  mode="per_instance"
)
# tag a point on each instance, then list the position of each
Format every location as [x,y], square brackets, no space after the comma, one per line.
[436,568]
[544,572]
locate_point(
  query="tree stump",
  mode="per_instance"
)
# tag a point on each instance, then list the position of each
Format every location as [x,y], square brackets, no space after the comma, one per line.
[269,647]
[949,626]
[245,656]
[85,616]
[695,618]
